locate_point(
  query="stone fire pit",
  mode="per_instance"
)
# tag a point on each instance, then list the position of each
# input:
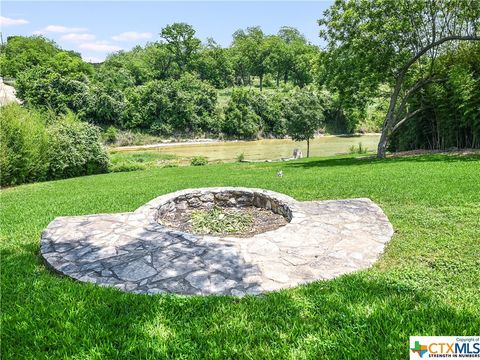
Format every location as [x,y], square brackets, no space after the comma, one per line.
[136,252]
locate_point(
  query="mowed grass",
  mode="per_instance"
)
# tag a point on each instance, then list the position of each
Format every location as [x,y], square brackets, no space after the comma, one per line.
[426,283]
[140,160]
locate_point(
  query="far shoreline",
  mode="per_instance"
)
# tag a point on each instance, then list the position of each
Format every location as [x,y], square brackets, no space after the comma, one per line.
[207,141]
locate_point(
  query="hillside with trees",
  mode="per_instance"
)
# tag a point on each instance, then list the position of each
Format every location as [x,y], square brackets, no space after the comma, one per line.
[171,87]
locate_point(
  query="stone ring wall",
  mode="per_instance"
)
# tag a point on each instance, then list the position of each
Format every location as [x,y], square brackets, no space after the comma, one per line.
[133,252]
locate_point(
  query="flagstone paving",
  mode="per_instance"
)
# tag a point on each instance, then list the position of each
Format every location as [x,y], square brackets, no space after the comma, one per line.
[134,252]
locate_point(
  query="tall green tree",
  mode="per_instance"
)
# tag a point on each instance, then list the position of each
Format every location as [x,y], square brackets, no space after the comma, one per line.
[277,60]
[21,53]
[394,42]
[451,115]
[291,35]
[294,43]
[253,46]
[214,65]
[303,112]
[303,58]
[182,43]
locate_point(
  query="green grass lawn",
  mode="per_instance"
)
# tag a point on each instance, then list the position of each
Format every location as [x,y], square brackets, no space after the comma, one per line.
[426,283]
[140,160]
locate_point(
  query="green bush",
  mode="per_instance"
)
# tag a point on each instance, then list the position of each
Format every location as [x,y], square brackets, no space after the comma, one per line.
[43,87]
[23,142]
[250,114]
[165,107]
[360,149]
[33,149]
[110,135]
[199,161]
[126,166]
[240,157]
[100,105]
[75,149]
[241,120]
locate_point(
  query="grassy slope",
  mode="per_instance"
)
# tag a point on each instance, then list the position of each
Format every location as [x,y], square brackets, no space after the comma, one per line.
[426,283]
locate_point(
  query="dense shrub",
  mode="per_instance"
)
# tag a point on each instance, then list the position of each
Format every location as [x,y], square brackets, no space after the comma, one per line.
[44,87]
[241,121]
[165,107]
[99,105]
[93,102]
[241,117]
[199,161]
[110,135]
[75,149]
[33,149]
[252,114]
[23,142]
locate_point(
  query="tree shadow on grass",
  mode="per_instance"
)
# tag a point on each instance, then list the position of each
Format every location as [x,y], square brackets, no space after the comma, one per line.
[358,316]
[371,160]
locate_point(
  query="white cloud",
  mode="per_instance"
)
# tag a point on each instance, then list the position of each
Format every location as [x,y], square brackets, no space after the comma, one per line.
[132,35]
[5,21]
[102,46]
[78,37]
[60,29]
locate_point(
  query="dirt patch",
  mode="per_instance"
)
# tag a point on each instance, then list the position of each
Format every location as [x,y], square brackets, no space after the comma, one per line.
[262,220]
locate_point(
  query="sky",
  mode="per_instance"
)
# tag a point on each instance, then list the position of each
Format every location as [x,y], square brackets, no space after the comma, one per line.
[96,28]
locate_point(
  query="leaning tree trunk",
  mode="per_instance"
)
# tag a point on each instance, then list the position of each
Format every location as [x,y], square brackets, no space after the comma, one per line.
[387,123]
[382,145]
[390,117]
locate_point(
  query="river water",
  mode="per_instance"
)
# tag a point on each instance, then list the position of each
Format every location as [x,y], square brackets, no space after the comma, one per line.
[272,149]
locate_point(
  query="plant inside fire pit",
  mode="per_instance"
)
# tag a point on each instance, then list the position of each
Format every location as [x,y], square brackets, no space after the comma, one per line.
[221,221]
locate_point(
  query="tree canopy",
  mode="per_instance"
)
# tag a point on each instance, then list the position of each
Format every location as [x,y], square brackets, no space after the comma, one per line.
[303,115]
[407,68]
[394,42]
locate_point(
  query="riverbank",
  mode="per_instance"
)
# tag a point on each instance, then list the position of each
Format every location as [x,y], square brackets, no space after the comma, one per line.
[181,153]
[188,142]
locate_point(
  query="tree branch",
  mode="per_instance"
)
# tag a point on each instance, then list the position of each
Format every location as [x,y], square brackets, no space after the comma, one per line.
[435,44]
[407,117]
[398,84]
[419,84]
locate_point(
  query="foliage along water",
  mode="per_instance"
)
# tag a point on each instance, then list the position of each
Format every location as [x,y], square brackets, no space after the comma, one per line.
[272,149]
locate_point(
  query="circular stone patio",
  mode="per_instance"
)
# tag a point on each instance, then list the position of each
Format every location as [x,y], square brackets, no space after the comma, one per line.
[134,252]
